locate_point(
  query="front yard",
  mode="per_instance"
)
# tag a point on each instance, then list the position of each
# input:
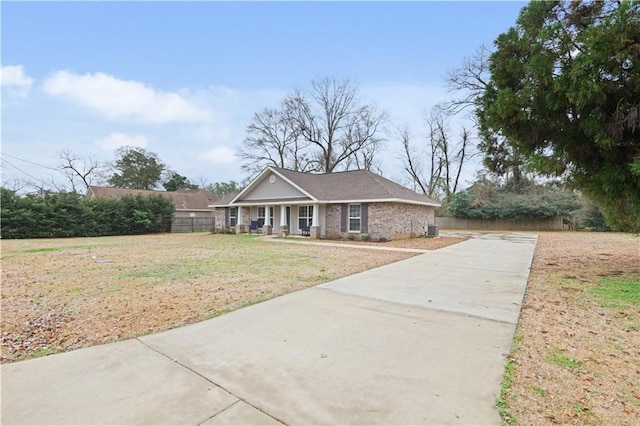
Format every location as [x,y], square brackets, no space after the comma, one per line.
[63,294]
[576,357]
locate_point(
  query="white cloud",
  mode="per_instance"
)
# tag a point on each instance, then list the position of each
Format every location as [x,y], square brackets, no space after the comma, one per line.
[14,78]
[116,140]
[220,155]
[122,99]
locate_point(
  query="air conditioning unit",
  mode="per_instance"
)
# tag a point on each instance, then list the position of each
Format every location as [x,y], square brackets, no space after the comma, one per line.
[432,231]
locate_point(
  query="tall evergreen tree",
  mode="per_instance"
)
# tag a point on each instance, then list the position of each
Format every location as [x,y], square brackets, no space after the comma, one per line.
[564,92]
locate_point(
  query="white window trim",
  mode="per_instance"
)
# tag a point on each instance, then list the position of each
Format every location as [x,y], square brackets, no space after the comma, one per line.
[309,217]
[349,217]
[233,216]
[263,217]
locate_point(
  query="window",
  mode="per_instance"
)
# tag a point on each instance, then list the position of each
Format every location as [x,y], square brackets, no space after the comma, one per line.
[262,216]
[305,216]
[233,216]
[354,217]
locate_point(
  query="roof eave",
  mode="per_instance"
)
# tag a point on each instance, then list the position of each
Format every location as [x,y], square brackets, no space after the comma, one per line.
[306,202]
[383,200]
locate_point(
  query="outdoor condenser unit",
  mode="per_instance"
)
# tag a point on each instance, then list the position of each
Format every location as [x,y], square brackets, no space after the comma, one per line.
[432,230]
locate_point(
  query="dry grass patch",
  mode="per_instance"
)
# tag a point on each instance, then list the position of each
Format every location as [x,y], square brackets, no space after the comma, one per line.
[577,349]
[63,294]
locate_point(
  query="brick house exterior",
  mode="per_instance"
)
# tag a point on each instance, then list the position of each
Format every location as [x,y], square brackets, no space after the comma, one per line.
[330,205]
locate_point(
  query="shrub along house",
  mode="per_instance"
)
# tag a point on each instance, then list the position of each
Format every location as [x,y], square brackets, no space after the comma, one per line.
[330,205]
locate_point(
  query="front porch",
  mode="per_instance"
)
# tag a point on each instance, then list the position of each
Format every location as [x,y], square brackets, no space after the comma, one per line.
[280,219]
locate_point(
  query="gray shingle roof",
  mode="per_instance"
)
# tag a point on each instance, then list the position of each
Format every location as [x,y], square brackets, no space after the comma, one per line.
[225,200]
[185,199]
[352,186]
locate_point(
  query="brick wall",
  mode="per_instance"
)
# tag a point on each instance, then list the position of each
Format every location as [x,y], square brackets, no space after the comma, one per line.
[386,220]
[332,222]
[398,220]
[219,220]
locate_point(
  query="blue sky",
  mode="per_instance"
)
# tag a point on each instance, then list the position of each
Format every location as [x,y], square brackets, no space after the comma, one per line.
[183,79]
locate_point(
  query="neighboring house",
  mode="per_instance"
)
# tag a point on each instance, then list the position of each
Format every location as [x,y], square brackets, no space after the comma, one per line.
[331,205]
[188,202]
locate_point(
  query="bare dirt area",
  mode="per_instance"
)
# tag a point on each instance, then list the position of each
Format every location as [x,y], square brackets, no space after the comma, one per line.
[577,350]
[64,294]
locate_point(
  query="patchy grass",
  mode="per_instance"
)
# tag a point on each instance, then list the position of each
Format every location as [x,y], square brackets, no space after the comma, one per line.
[621,292]
[505,389]
[577,359]
[40,250]
[62,294]
[557,357]
[505,393]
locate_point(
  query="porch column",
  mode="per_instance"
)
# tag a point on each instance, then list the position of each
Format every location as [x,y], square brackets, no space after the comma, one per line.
[284,229]
[267,227]
[240,222]
[315,223]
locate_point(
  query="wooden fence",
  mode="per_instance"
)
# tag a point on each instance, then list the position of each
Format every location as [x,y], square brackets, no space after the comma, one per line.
[192,224]
[499,224]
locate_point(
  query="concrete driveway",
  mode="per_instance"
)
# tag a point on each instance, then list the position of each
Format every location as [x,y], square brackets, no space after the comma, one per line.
[421,341]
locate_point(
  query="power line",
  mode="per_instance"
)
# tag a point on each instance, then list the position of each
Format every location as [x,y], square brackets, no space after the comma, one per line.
[4,160]
[30,162]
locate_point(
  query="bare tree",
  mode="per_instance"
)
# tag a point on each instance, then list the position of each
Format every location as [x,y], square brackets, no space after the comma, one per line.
[77,169]
[15,184]
[413,162]
[469,81]
[335,123]
[364,138]
[323,130]
[273,138]
[437,166]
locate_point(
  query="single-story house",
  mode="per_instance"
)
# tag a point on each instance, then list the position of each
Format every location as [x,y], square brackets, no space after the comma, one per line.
[190,203]
[330,205]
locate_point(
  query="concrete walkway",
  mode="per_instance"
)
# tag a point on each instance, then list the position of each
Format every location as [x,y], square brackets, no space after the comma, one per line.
[421,341]
[305,241]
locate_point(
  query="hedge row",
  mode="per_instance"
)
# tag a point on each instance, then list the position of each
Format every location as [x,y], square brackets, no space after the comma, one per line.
[69,214]
[489,201]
